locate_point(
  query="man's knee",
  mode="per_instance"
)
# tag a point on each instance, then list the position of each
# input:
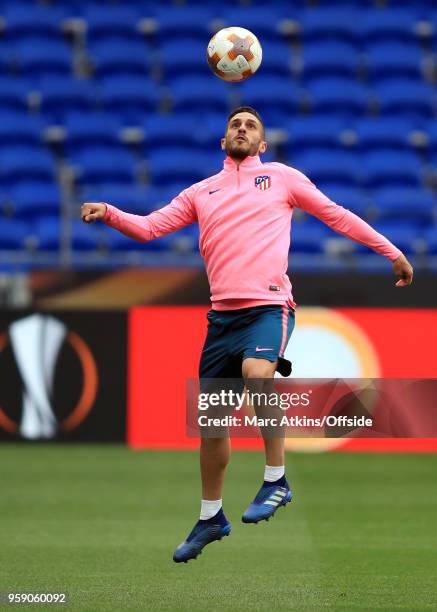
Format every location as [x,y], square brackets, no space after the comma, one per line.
[258,368]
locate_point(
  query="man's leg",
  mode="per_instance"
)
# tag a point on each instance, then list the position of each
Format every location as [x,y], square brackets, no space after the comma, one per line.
[214,457]
[275,491]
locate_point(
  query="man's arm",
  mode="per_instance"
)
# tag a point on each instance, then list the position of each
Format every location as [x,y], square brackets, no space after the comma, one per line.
[305,195]
[176,215]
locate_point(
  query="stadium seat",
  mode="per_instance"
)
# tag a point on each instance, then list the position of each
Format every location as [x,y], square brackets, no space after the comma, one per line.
[14,94]
[183,56]
[104,165]
[383,132]
[330,58]
[197,93]
[131,198]
[173,165]
[392,59]
[20,128]
[308,237]
[19,163]
[431,130]
[13,234]
[404,204]
[266,24]
[276,59]
[130,97]
[61,95]
[414,100]
[389,168]
[405,236]
[31,19]
[314,131]
[333,23]
[185,240]
[117,56]
[112,20]
[271,96]
[177,129]
[84,237]
[37,57]
[351,198]
[338,96]
[388,25]
[183,22]
[31,199]
[327,165]
[430,237]
[85,129]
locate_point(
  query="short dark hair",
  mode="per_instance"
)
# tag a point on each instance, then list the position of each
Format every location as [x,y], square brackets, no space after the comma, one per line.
[247,109]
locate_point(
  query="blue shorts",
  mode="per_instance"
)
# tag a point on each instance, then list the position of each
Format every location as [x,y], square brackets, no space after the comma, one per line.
[233,335]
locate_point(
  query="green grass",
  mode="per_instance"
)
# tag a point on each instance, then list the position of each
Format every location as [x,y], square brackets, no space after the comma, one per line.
[101,523]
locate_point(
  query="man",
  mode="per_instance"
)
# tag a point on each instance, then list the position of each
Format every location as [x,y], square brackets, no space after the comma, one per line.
[244,213]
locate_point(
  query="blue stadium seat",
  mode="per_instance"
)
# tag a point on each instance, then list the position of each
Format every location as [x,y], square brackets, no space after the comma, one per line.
[61,95]
[408,98]
[197,92]
[350,197]
[389,168]
[20,128]
[388,24]
[258,20]
[129,96]
[315,131]
[117,56]
[383,132]
[19,163]
[185,240]
[85,129]
[276,59]
[30,19]
[405,204]
[330,58]
[84,237]
[13,234]
[430,237]
[431,130]
[37,57]
[327,165]
[111,20]
[47,231]
[405,236]
[184,22]
[173,165]
[392,59]
[14,94]
[131,198]
[338,96]
[104,165]
[32,199]
[183,56]
[274,97]
[308,237]
[178,129]
[334,22]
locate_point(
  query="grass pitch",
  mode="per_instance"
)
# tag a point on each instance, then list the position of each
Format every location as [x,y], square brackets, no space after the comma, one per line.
[101,523]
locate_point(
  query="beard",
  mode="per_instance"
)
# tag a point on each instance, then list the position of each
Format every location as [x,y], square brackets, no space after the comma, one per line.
[240,150]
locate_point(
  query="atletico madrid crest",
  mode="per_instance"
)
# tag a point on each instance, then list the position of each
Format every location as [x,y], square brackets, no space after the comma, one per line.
[263,182]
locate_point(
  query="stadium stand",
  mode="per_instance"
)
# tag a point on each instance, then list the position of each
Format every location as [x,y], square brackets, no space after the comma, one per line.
[114,101]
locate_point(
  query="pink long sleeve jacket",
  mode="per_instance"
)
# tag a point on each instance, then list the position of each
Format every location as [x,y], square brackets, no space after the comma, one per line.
[244,214]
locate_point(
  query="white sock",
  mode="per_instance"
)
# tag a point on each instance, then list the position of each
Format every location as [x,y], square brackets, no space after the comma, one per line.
[273,472]
[209,508]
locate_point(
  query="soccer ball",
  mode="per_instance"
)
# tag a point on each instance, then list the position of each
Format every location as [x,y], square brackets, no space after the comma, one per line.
[234,54]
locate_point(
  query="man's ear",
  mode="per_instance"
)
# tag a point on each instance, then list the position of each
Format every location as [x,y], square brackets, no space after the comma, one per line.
[223,143]
[262,147]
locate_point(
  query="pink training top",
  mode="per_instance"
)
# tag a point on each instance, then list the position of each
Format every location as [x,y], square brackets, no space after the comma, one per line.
[244,214]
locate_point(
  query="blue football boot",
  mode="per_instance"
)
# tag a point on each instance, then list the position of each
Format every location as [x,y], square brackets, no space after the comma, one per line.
[203,533]
[270,497]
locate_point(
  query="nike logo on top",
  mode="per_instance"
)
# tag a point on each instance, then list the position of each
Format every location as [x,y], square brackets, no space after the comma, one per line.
[214,190]
[258,349]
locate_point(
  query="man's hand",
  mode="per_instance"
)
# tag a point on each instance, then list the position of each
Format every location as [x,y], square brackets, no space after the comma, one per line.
[403,270]
[92,211]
